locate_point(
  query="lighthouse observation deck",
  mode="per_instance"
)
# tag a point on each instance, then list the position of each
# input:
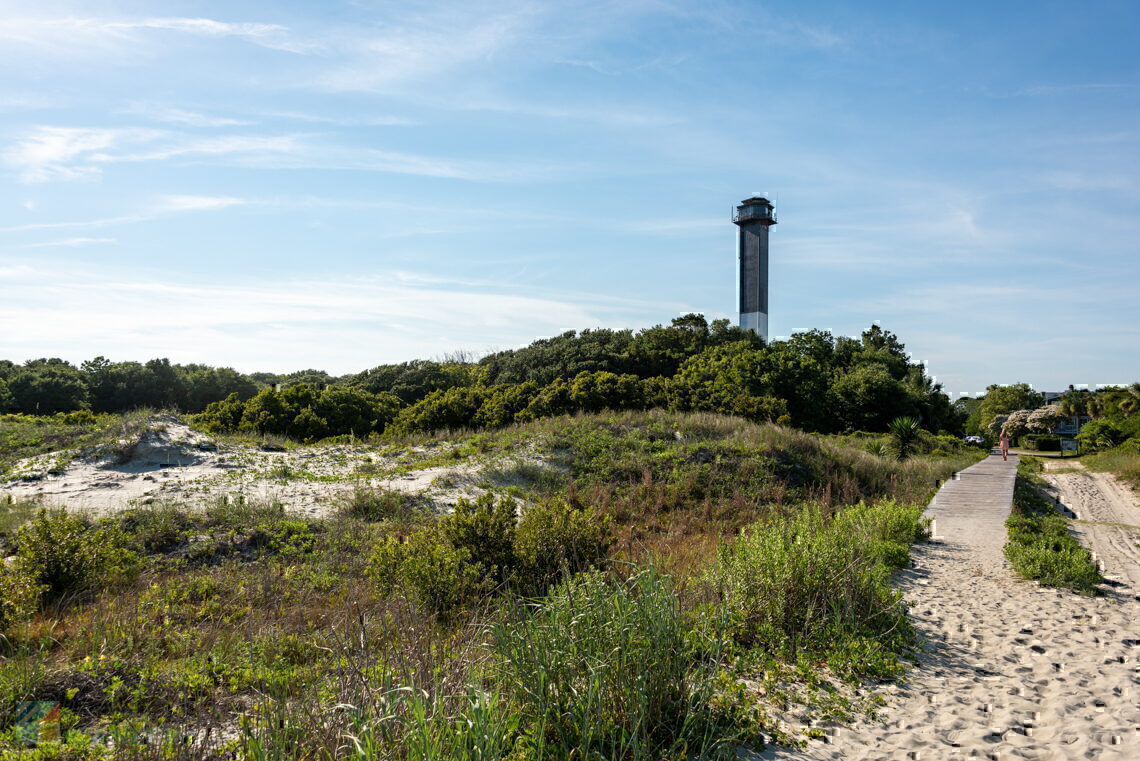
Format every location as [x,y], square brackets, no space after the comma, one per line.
[754,212]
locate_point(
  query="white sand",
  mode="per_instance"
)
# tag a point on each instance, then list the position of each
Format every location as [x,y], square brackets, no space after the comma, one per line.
[171,463]
[1012,670]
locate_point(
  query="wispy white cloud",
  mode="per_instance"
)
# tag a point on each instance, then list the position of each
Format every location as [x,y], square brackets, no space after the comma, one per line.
[172,115]
[329,323]
[76,35]
[53,153]
[197,203]
[69,153]
[344,121]
[159,207]
[69,242]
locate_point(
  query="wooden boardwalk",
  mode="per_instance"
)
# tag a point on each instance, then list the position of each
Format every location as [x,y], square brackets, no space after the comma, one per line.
[972,506]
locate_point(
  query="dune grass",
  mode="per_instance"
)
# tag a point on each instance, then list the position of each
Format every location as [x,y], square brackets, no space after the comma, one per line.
[1124,462]
[265,635]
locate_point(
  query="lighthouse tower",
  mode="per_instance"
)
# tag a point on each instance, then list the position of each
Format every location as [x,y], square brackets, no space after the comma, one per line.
[754,216]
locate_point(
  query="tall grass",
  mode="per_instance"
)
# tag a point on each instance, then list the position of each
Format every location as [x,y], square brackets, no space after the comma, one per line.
[818,584]
[607,669]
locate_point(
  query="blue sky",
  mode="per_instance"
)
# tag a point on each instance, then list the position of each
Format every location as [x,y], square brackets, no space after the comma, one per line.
[276,186]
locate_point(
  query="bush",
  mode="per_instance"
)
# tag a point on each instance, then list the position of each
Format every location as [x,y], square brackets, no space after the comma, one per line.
[483,545]
[603,669]
[302,412]
[1100,434]
[20,594]
[1039,545]
[484,530]
[553,538]
[1041,442]
[68,555]
[440,577]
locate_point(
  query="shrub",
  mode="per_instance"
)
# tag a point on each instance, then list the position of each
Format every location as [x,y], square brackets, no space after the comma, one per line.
[1100,434]
[1042,442]
[904,433]
[483,545]
[553,537]
[286,536]
[484,531]
[429,570]
[1039,545]
[19,594]
[69,555]
[156,528]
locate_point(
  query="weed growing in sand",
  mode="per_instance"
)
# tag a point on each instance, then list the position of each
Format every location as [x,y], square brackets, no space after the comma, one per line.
[1039,545]
[373,503]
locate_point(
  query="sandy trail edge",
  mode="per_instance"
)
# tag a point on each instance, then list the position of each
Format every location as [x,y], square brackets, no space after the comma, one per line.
[1108,521]
[1011,670]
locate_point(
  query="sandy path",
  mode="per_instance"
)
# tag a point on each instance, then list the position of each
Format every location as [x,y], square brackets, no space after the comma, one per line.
[1011,670]
[1109,520]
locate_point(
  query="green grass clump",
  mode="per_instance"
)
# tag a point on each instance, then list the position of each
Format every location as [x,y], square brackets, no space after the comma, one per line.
[607,669]
[1039,545]
[815,584]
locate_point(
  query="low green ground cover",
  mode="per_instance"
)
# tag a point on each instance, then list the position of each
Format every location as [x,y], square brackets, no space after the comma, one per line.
[665,578]
[1040,546]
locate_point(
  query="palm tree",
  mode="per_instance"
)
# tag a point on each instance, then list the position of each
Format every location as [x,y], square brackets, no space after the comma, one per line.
[904,436]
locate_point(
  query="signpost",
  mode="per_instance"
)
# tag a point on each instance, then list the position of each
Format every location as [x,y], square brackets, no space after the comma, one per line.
[1068,445]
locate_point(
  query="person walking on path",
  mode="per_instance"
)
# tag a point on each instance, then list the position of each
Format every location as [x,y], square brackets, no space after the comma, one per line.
[1003,442]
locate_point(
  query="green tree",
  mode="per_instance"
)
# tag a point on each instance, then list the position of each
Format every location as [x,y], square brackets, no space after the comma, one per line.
[202,385]
[1002,400]
[869,397]
[120,386]
[594,392]
[563,356]
[413,381]
[44,388]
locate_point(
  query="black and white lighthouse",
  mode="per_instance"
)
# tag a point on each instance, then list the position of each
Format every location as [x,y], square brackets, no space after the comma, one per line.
[754,216]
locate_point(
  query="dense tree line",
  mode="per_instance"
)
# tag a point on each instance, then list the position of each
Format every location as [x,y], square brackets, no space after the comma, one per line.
[813,380]
[1107,417]
[47,386]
